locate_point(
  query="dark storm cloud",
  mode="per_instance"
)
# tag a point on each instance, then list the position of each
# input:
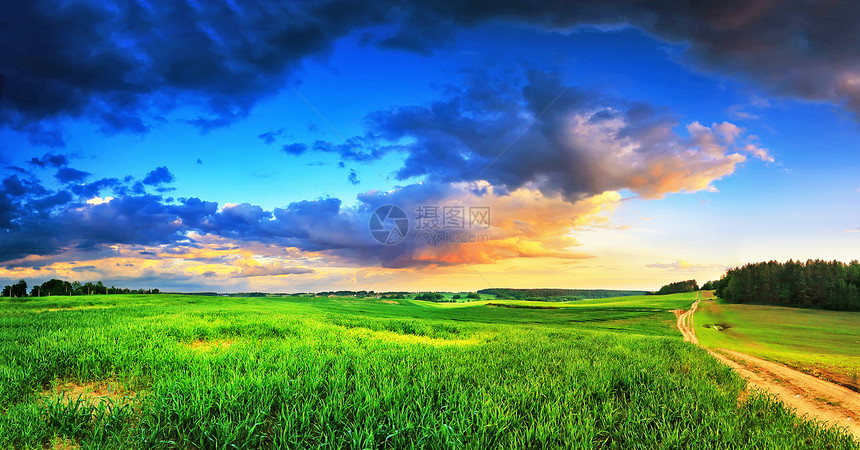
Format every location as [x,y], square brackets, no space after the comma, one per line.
[7,211]
[518,130]
[804,49]
[159,175]
[15,187]
[513,130]
[48,224]
[35,220]
[124,64]
[50,201]
[50,160]
[90,190]
[141,220]
[69,175]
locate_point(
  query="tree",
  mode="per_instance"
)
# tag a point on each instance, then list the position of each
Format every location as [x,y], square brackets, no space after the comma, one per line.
[55,287]
[473,296]
[456,296]
[19,289]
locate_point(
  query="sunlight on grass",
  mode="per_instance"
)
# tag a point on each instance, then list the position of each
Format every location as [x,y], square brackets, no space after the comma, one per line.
[822,343]
[169,371]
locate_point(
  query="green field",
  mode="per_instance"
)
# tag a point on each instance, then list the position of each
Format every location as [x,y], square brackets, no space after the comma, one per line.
[172,371]
[823,343]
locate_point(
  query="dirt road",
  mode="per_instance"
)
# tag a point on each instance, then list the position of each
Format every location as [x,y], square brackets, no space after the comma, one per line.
[685,323]
[808,395]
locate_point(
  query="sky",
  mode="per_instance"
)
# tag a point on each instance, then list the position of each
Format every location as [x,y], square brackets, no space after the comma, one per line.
[424,146]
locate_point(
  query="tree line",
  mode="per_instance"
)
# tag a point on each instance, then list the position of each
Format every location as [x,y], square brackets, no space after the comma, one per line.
[679,286]
[439,298]
[555,294]
[813,284]
[55,287]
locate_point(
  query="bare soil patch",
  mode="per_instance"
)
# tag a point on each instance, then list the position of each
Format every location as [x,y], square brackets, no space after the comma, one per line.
[848,381]
[91,393]
[62,443]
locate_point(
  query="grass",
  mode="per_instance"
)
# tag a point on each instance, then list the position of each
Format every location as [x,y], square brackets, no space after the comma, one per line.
[171,371]
[823,343]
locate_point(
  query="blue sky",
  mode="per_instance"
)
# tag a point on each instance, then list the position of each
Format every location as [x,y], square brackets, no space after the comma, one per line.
[615,150]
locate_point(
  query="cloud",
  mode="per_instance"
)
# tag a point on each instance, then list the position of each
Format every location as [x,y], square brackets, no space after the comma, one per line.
[273,270]
[50,159]
[99,200]
[42,133]
[226,269]
[48,202]
[123,65]
[270,137]
[803,50]
[38,223]
[714,140]
[353,177]
[69,175]
[559,138]
[547,158]
[159,175]
[295,148]
[682,265]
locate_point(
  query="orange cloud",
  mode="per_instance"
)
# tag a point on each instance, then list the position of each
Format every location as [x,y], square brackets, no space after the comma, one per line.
[524,224]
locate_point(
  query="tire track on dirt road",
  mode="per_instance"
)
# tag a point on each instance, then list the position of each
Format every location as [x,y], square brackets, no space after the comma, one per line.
[685,322]
[806,394]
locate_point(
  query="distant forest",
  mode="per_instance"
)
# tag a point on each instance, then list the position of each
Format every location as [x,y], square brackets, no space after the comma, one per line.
[813,284]
[556,295]
[59,287]
[680,286]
